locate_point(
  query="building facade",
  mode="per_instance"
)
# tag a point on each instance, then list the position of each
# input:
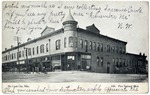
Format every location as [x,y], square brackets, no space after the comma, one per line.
[73,48]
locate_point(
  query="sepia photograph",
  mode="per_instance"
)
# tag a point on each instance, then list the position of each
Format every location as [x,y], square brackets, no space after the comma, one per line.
[75,46]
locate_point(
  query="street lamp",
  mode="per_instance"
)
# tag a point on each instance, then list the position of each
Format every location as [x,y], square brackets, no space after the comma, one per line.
[26,58]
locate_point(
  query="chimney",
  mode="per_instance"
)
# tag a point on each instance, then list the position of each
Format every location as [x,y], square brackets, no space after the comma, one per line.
[11,46]
[5,49]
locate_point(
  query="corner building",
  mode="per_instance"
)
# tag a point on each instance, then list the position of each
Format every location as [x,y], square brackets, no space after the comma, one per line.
[72,48]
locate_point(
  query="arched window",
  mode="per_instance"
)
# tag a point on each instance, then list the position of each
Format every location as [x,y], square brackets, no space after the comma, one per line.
[94,46]
[42,48]
[101,47]
[86,45]
[57,44]
[108,48]
[71,41]
[113,49]
[29,51]
[91,45]
[76,42]
[98,47]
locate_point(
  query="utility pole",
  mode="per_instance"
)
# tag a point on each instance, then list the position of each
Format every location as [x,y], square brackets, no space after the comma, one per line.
[18,53]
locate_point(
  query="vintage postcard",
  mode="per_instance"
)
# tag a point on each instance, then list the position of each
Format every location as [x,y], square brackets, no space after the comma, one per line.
[75,47]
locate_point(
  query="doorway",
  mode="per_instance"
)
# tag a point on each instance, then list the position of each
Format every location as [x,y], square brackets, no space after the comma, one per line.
[108,67]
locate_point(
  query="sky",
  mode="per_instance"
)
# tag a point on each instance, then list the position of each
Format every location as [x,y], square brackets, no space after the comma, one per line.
[127,21]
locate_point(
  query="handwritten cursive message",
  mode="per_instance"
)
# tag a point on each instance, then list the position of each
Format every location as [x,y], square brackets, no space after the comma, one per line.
[73,88]
[31,16]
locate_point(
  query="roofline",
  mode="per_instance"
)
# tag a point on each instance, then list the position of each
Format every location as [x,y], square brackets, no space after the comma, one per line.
[135,54]
[103,36]
[34,40]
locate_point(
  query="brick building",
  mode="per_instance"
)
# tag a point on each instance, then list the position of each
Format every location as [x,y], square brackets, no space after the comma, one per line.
[73,48]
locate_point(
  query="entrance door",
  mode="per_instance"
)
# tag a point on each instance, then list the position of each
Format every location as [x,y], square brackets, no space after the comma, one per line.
[71,63]
[84,64]
[108,67]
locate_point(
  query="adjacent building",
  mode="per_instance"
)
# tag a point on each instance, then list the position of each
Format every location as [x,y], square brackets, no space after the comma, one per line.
[73,48]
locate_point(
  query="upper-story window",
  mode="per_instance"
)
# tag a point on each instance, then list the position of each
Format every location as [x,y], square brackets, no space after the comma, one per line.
[123,51]
[108,48]
[101,47]
[113,49]
[123,62]
[91,45]
[120,50]
[65,40]
[86,45]
[117,49]
[76,42]
[47,47]
[81,43]
[42,48]
[12,56]
[57,44]
[23,53]
[19,54]
[71,41]
[37,49]
[33,50]
[29,51]
[94,45]
[98,47]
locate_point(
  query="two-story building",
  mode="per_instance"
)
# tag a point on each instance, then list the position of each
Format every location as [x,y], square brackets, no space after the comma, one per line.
[73,48]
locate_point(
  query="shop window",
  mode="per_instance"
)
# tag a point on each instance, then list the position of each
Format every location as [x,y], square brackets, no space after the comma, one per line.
[98,60]
[101,61]
[71,41]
